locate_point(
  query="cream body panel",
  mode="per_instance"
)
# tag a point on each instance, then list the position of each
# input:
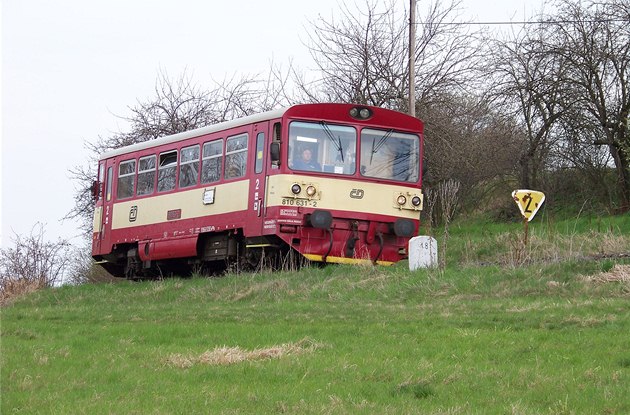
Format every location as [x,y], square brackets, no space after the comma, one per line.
[98,219]
[229,197]
[335,194]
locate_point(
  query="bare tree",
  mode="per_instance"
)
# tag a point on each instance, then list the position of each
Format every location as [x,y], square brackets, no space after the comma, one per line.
[525,83]
[448,54]
[594,39]
[565,80]
[177,106]
[83,177]
[361,57]
[239,96]
[469,141]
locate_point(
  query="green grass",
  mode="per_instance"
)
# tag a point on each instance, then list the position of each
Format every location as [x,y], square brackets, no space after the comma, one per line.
[549,240]
[535,338]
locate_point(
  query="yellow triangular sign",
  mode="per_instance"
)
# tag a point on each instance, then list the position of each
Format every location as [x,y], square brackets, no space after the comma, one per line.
[528,201]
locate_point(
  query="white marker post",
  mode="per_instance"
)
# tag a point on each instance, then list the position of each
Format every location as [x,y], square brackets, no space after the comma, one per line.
[423,252]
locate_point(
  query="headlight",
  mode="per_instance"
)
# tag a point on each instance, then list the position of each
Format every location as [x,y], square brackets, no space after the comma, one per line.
[311,191]
[416,201]
[401,200]
[361,113]
[296,189]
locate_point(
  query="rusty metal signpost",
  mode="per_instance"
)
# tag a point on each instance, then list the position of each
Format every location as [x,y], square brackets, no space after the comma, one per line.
[528,202]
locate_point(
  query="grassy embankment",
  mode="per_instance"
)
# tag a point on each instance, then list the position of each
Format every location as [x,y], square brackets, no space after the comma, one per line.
[502,329]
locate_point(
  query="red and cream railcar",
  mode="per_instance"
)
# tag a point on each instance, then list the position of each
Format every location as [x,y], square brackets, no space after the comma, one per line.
[333,182]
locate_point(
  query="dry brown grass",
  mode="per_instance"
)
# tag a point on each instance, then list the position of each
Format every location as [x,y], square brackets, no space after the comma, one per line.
[547,248]
[224,355]
[613,244]
[274,287]
[11,289]
[619,273]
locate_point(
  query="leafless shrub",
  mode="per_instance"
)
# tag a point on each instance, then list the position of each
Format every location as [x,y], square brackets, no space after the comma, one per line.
[32,263]
[432,200]
[448,197]
[441,203]
[518,253]
[448,202]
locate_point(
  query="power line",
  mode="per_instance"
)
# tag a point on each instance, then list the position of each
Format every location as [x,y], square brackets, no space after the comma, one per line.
[539,22]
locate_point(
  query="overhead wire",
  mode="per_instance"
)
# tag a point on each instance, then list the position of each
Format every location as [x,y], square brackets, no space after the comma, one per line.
[514,23]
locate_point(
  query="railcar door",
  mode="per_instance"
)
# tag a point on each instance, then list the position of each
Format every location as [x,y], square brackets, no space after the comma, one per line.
[257,182]
[105,235]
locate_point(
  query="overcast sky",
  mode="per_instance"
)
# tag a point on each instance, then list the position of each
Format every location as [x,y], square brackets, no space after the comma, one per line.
[70,67]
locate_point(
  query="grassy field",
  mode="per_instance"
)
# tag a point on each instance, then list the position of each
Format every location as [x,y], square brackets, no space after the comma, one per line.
[503,329]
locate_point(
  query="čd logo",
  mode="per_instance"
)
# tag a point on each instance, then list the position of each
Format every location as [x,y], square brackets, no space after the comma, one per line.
[133,213]
[357,193]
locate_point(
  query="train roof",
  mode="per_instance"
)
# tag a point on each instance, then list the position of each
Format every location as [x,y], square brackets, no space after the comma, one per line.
[300,110]
[250,119]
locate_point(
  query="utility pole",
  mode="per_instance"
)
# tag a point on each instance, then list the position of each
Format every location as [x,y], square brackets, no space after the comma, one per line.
[412,58]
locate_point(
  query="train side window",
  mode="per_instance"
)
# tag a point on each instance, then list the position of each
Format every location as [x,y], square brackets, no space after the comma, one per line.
[167,171]
[211,164]
[236,156]
[277,129]
[146,175]
[260,145]
[189,166]
[110,178]
[126,179]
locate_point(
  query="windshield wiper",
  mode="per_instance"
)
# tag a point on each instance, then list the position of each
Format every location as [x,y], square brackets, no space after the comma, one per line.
[376,146]
[336,141]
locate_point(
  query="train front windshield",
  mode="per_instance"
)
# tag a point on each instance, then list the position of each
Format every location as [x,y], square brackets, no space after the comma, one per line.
[330,148]
[390,155]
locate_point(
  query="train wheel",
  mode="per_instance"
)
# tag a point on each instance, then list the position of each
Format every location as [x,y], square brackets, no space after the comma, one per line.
[133,266]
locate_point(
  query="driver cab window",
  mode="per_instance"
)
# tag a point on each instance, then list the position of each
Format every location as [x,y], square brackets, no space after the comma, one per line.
[322,147]
[386,154]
